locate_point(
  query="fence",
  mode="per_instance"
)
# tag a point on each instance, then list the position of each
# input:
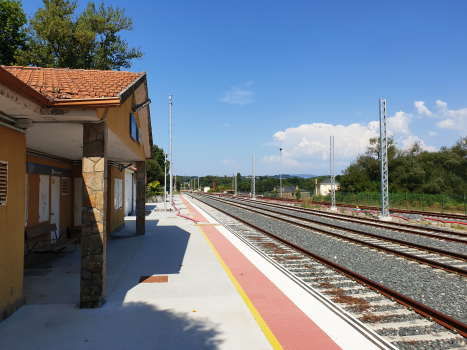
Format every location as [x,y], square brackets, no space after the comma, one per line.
[449,203]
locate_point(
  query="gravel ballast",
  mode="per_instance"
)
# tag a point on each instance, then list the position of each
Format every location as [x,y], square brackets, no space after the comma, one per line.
[407,237]
[440,290]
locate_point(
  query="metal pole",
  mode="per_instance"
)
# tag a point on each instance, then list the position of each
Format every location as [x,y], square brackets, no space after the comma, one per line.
[333,178]
[253,190]
[171,159]
[443,202]
[423,199]
[165,183]
[384,160]
[280,160]
[235,180]
[198,183]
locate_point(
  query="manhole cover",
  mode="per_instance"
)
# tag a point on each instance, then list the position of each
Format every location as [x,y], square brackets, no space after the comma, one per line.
[154,279]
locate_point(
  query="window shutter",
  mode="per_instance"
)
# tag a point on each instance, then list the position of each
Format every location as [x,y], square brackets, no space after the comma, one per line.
[3,182]
[64,186]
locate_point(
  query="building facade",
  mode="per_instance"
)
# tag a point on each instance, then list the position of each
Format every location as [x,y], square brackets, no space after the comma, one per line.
[73,146]
[323,188]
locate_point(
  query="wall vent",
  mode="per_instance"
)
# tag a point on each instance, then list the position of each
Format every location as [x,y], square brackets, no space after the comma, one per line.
[3,182]
[64,186]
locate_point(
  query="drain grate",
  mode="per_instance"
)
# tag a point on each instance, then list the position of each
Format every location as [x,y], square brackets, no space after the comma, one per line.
[154,279]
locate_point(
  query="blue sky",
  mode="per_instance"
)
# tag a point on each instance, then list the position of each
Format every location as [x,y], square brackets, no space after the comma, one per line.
[252,76]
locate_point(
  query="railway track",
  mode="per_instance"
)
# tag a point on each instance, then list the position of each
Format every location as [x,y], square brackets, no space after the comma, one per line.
[443,234]
[401,211]
[388,317]
[373,241]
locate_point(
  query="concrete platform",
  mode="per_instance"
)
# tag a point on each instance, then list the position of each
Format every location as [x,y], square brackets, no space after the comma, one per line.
[221,294]
[199,307]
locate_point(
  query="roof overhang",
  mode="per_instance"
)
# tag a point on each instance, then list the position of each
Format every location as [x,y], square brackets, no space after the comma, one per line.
[16,85]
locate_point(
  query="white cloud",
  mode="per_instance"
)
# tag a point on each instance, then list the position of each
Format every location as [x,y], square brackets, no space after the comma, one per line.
[409,141]
[238,96]
[455,120]
[432,134]
[450,119]
[225,124]
[308,144]
[228,161]
[250,82]
[399,123]
[446,124]
[422,109]
[441,105]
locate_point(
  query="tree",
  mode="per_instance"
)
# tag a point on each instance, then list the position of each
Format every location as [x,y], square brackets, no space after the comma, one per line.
[154,171]
[298,194]
[153,188]
[159,157]
[12,33]
[90,40]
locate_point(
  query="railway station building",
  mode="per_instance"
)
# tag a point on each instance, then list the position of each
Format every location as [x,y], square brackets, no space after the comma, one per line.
[73,146]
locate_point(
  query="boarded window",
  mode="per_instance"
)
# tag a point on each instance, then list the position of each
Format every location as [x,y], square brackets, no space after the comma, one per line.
[64,186]
[3,182]
[118,194]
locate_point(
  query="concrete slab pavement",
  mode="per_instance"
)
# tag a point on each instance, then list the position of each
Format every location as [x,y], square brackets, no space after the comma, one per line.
[199,307]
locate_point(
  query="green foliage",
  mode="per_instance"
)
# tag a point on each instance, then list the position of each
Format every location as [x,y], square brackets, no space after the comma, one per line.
[154,188]
[12,32]
[159,157]
[298,194]
[154,171]
[410,170]
[89,40]
[155,168]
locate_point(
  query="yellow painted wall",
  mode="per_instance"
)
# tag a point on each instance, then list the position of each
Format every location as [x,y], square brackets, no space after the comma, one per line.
[13,151]
[115,218]
[66,201]
[118,120]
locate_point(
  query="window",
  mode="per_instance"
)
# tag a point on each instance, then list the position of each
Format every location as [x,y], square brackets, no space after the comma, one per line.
[3,182]
[118,195]
[64,186]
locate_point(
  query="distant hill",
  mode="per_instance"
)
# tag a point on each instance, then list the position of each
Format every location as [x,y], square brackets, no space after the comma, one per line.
[289,176]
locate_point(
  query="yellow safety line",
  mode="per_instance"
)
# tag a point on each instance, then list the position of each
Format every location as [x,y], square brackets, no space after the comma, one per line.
[264,327]
[262,324]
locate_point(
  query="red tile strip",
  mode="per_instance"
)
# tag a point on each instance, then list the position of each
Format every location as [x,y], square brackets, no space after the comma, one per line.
[292,328]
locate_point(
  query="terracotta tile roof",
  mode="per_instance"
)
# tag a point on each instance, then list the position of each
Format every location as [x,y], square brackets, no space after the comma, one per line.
[63,83]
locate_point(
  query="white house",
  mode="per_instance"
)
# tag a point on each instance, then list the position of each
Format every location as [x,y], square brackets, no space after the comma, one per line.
[324,187]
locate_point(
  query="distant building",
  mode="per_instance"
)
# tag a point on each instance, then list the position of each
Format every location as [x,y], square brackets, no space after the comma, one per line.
[289,192]
[206,189]
[324,188]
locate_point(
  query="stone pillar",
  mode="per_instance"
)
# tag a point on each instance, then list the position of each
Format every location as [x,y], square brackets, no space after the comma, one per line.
[140,198]
[93,216]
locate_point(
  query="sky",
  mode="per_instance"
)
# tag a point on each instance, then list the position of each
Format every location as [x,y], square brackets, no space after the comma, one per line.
[250,77]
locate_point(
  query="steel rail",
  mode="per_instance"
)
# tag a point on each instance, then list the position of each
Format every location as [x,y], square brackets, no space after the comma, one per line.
[371,222]
[422,309]
[432,263]
[395,210]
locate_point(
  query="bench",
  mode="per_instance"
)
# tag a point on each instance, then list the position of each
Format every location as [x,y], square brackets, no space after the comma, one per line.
[47,246]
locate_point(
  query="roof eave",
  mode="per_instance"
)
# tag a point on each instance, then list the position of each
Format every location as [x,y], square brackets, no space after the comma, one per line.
[86,103]
[13,83]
